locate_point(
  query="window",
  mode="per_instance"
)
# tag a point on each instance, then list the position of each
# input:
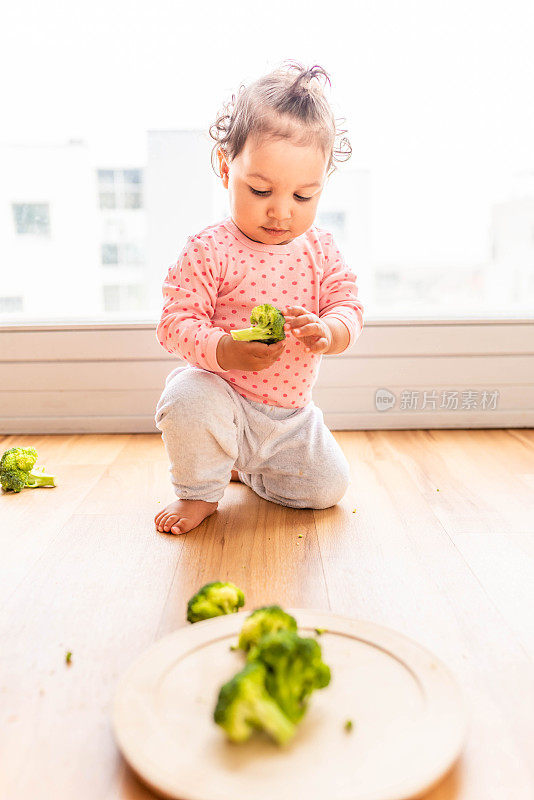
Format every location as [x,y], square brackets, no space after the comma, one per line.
[120,188]
[132,199]
[122,254]
[110,253]
[108,200]
[132,176]
[434,211]
[106,176]
[9,305]
[32,218]
[131,253]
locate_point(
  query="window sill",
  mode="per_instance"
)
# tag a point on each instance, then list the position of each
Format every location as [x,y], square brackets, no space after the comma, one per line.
[107,376]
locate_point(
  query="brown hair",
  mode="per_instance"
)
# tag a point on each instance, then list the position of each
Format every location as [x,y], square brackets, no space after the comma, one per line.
[281,105]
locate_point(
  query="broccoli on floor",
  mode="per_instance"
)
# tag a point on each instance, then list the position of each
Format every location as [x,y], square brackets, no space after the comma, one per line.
[267,619]
[18,470]
[294,669]
[244,704]
[213,600]
[268,326]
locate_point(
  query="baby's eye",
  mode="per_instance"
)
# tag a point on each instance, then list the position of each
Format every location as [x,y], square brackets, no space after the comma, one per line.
[262,194]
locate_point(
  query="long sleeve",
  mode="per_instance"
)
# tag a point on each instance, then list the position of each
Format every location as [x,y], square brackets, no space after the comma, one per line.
[339,292]
[190,293]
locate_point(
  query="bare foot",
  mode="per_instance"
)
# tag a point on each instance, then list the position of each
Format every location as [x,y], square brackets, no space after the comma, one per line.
[183,515]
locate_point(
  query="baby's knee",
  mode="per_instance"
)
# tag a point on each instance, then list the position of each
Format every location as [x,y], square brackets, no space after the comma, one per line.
[329,491]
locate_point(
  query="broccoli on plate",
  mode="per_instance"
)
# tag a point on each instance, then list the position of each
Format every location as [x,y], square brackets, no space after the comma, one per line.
[18,470]
[213,600]
[294,668]
[268,326]
[267,619]
[244,704]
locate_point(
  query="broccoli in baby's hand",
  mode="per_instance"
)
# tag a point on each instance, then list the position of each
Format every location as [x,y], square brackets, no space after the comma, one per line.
[294,668]
[213,600]
[244,704]
[18,470]
[267,619]
[268,326]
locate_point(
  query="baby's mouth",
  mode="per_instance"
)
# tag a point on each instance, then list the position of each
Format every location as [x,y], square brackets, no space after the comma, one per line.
[275,231]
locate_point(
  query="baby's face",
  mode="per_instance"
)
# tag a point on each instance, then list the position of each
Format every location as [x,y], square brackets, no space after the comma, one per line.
[291,185]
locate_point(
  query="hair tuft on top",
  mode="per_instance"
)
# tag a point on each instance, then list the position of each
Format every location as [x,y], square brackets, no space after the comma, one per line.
[287,103]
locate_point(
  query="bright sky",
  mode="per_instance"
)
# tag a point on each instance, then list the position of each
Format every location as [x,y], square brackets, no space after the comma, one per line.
[437,95]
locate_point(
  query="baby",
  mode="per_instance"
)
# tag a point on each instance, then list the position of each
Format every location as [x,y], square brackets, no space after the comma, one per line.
[243,410]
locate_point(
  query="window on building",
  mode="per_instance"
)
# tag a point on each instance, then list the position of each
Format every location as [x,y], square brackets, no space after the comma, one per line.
[106,176]
[132,176]
[110,253]
[122,253]
[132,199]
[131,253]
[10,305]
[108,200]
[120,188]
[32,218]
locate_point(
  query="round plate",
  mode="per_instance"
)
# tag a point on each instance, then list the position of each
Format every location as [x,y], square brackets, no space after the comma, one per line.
[408,718]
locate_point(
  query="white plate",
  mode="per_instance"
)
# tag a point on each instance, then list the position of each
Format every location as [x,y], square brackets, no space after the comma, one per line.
[408,717]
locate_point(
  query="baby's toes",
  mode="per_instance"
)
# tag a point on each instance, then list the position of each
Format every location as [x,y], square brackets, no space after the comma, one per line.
[178,527]
[171,519]
[162,521]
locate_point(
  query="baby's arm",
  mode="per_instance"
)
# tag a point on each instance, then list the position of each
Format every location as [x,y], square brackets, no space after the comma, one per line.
[338,296]
[339,332]
[190,293]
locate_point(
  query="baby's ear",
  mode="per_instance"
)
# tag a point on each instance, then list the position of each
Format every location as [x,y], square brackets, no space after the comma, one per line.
[223,166]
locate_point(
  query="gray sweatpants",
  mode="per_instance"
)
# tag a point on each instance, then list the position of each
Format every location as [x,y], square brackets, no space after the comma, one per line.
[285,455]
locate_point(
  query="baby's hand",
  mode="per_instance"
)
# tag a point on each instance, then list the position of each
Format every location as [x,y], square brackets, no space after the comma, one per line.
[247,356]
[308,328]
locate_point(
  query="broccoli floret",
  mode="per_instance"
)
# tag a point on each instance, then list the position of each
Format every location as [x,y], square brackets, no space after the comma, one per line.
[268,326]
[294,668]
[18,470]
[12,480]
[267,619]
[244,704]
[213,600]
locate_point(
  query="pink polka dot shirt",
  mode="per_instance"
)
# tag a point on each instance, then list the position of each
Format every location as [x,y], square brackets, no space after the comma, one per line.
[220,276]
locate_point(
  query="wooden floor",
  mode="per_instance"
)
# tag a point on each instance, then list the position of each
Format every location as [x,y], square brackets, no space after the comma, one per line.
[440,547]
